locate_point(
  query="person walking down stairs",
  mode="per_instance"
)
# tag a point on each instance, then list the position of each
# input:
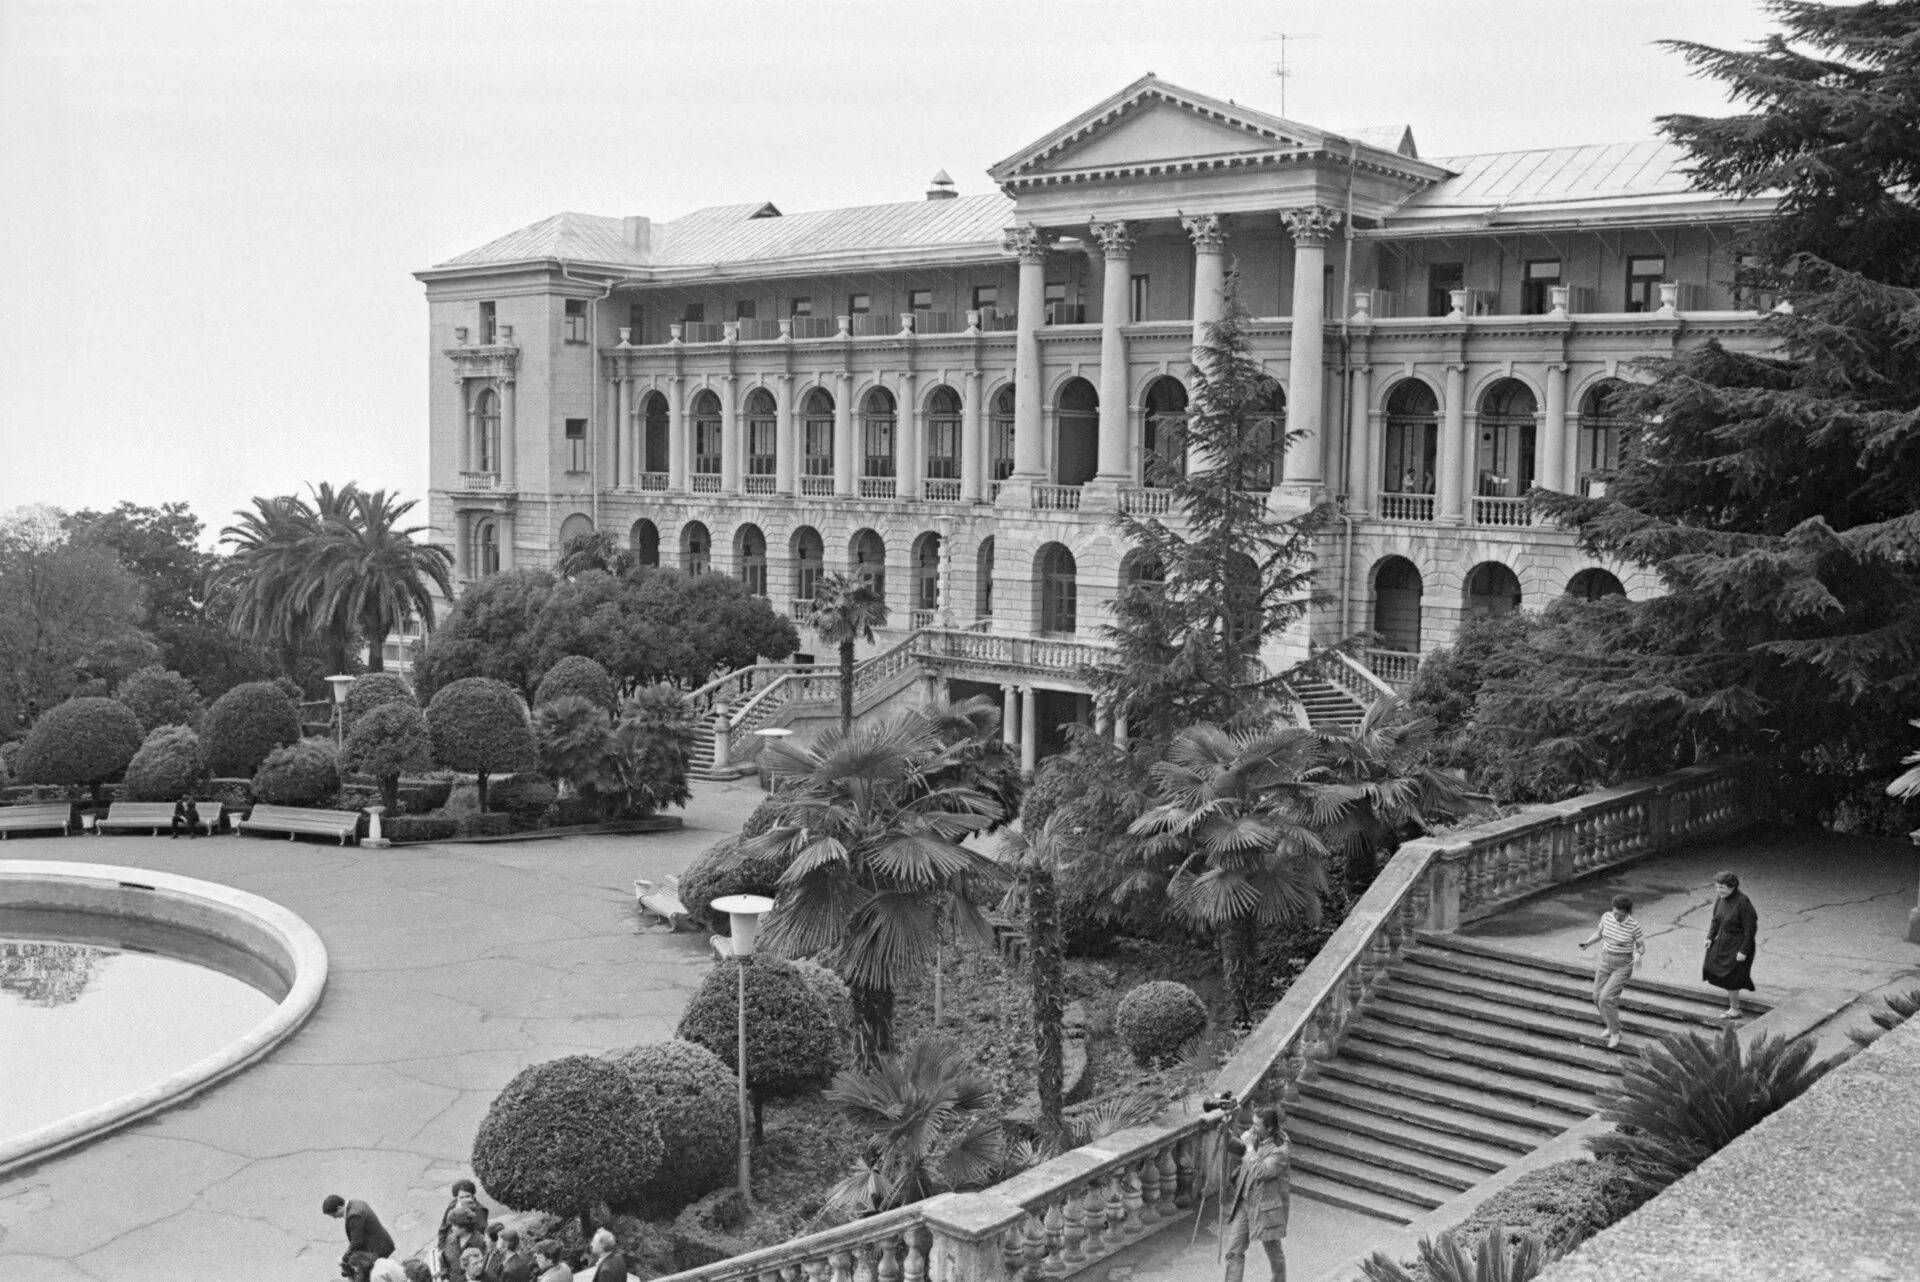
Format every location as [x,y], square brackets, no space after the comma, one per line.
[1730,942]
[1622,943]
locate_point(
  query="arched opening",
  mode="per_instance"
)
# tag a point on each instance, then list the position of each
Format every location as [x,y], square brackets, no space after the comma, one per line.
[1492,590]
[1163,445]
[1593,583]
[877,425]
[1268,426]
[644,541]
[696,548]
[926,578]
[1141,570]
[867,556]
[654,424]
[750,554]
[943,443]
[1396,604]
[1413,436]
[706,437]
[1057,578]
[816,444]
[1076,455]
[1606,436]
[1000,436]
[983,580]
[762,433]
[486,426]
[487,538]
[809,560]
[1505,464]
[574,527]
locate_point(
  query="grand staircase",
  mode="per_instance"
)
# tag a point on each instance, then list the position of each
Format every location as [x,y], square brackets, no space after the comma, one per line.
[1328,707]
[1467,1058]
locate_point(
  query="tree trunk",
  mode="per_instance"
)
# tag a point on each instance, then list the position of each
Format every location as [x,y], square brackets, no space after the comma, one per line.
[376,652]
[1043,970]
[390,793]
[873,1023]
[483,792]
[586,1228]
[1236,964]
[846,686]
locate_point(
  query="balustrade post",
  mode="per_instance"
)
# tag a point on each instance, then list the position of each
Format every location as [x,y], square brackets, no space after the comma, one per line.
[722,738]
[1093,1216]
[1183,1158]
[1443,896]
[1659,815]
[1054,1221]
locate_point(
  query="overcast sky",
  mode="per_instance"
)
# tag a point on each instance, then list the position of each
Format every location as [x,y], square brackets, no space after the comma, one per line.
[211,210]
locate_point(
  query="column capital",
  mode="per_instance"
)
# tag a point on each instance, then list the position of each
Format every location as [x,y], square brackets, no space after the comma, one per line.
[1209,231]
[784,378]
[1360,368]
[1116,238]
[1558,367]
[1312,224]
[1026,242]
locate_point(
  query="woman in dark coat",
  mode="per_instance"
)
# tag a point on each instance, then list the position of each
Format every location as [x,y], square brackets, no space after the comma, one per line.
[1730,940]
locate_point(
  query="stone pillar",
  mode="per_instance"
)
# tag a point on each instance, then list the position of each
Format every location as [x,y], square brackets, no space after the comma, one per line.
[1029,732]
[973,440]
[509,432]
[844,456]
[1028,441]
[1120,730]
[504,525]
[1010,715]
[1553,472]
[472,417]
[785,448]
[1306,352]
[676,434]
[722,738]
[730,451]
[1363,473]
[462,547]
[624,472]
[1116,243]
[1469,461]
[907,438]
[1453,441]
[1209,235]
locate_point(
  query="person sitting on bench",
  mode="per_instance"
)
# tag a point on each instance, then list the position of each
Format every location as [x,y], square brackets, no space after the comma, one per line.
[185,814]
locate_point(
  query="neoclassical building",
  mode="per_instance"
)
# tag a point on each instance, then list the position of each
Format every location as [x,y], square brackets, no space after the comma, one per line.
[958,393]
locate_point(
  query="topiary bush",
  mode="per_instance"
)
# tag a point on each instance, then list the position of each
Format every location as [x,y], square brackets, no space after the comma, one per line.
[1157,1018]
[301,774]
[791,1045]
[421,795]
[691,1096]
[158,698]
[372,690]
[82,742]
[479,725]
[1563,1205]
[387,740]
[525,800]
[168,765]
[565,1136]
[245,724]
[578,675]
[407,828]
[729,866]
[836,997]
[655,736]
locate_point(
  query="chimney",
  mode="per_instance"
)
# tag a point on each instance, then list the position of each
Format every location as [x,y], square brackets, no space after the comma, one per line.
[942,188]
[637,232]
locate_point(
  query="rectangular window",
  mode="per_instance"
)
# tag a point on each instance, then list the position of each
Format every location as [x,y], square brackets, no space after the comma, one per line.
[1747,294]
[817,451]
[706,446]
[1643,283]
[1137,299]
[696,314]
[576,445]
[919,300]
[859,304]
[1001,453]
[746,309]
[1059,310]
[576,331]
[800,307]
[943,449]
[1535,296]
[878,437]
[760,438]
[1442,280]
[489,325]
[636,322]
[986,297]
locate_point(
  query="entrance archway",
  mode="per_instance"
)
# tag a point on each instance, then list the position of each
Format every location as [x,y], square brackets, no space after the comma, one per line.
[1076,433]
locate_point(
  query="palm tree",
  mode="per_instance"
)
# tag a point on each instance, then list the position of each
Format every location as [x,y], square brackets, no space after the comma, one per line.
[271,544]
[1237,824]
[846,609]
[372,577]
[594,550]
[1381,777]
[930,1126]
[1034,897]
[981,757]
[876,868]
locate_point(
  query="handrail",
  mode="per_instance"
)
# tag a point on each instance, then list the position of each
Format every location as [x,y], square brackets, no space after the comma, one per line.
[1367,675]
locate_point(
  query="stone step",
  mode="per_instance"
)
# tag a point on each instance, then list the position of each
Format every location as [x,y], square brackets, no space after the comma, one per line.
[1328,1125]
[1356,1105]
[1550,992]
[1558,1017]
[1382,1073]
[1386,1158]
[1366,1201]
[1551,1045]
[1492,1067]
[1403,1186]
[1504,961]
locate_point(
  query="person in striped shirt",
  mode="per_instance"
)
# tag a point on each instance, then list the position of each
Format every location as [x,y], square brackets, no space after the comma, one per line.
[1622,942]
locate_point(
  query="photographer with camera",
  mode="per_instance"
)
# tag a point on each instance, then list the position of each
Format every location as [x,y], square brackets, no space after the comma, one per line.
[1256,1201]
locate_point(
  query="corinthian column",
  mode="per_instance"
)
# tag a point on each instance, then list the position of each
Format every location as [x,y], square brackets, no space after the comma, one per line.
[1116,242]
[1209,235]
[1306,353]
[1030,245]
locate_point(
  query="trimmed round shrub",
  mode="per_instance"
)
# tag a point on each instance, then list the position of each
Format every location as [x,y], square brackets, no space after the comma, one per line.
[565,1136]
[372,690]
[523,798]
[161,698]
[691,1096]
[168,765]
[81,742]
[727,867]
[791,1045]
[479,725]
[387,740]
[1157,1018]
[835,996]
[576,674]
[245,724]
[421,795]
[301,774]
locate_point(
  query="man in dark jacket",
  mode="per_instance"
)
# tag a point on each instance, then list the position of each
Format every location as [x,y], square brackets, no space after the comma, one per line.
[366,1236]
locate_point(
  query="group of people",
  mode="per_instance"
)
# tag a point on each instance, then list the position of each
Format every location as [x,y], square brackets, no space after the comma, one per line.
[468,1248]
[1732,934]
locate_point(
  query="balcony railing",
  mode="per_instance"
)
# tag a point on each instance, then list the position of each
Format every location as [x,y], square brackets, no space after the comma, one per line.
[479,480]
[1395,667]
[1406,507]
[702,331]
[1497,511]
[816,487]
[940,490]
[705,482]
[760,484]
[1146,501]
[917,619]
[654,480]
[935,323]
[877,487]
[1056,498]
[998,322]
[815,327]
[758,331]
[798,608]
[875,325]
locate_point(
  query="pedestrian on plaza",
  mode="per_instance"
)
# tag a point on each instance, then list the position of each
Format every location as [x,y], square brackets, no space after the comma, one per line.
[548,1258]
[515,1264]
[461,1233]
[185,815]
[1622,942]
[387,1271]
[1259,1200]
[365,1234]
[416,1271]
[1731,936]
[464,1193]
[473,1264]
[609,1265]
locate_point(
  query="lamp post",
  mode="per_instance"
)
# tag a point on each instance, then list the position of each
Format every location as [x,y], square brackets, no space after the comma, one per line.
[339,684]
[743,924]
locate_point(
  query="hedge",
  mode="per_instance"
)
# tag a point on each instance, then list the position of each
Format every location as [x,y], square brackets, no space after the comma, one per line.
[1157,1018]
[405,828]
[692,1097]
[301,774]
[158,698]
[791,1046]
[836,997]
[524,798]
[245,724]
[479,725]
[578,675]
[728,867]
[387,740]
[168,766]
[82,741]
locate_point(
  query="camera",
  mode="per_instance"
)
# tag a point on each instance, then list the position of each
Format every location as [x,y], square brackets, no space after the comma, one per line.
[1221,1103]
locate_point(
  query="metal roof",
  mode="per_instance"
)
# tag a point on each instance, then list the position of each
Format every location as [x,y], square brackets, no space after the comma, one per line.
[1556,180]
[583,237]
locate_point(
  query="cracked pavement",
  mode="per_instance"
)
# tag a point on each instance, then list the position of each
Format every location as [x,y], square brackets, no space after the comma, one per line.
[452,968]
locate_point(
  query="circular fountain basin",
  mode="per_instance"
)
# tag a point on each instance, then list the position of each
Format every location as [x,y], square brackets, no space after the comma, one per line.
[124,991]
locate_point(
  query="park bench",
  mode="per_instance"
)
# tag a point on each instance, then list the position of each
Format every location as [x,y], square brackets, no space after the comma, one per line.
[294,820]
[663,903]
[156,815]
[35,818]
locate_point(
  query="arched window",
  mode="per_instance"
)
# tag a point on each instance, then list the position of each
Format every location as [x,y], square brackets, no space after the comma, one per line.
[816,444]
[1139,570]
[877,425]
[943,435]
[926,574]
[983,580]
[486,441]
[1505,465]
[488,539]
[867,556]
[1163,447]
[706,434]
[1413,434]
[1076,455]
[750,554]
[1000,444]
[574,527]
[696,548]
[1243,613]
[1492,590]
[1592,584]
[1268,427]
[654,449]
[644,540]
[1606,436]
[1396,605]
[762,432]
[809,559]
[1059,588]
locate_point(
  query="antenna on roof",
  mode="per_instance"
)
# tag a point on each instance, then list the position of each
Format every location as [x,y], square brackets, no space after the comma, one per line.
[1280,70]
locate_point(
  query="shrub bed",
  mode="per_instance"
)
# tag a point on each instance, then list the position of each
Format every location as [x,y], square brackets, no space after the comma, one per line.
[410,828]
[301,774]
[168,764]
[690,1095]
[419,796]
[247,723]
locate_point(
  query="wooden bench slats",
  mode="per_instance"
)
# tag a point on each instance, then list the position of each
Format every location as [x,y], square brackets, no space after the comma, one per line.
[156,815]
[294,820]
[36,816]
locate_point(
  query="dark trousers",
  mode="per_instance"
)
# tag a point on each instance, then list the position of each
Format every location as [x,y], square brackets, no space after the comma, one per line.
[193,829]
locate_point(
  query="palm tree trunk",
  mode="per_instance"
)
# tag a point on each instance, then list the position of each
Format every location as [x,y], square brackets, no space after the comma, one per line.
[1043,969]
[376,652]
[1236,963]
[846,686]
[873,1023]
